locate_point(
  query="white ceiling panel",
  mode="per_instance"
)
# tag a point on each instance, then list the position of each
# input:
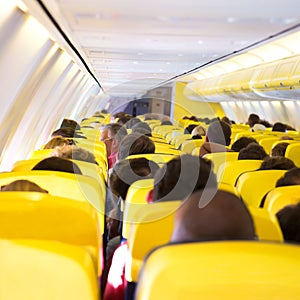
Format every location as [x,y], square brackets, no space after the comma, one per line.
[125,41]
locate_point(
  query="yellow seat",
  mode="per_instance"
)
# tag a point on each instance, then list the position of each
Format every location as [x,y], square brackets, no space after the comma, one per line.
[266,225]
[87,169]
[40,154]
[282,196]
[230,171]
[220,158]
[166,149]
[293,152]
[254,185]
[189,146]
[179,139]
[44,217]
[136,196]
[47,270]
[72,186]
[267,143]
[221,270]
[196,151]
[153,226]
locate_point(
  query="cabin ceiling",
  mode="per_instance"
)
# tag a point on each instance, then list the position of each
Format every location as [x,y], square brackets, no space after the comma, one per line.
[132,46]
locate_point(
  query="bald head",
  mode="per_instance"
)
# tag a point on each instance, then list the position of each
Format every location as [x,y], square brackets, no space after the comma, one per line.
[225,217]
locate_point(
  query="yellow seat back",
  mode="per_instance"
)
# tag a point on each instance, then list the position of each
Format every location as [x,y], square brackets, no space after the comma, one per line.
[254,185]
[282,196]
[47,270]
[293,152]
[267,143]
[196,151]
[166,149]
[153,226]
[159,158]
[40,154]
[220,158]
[189,146]
[266,225]
[136,196]
[229,171]
[61,184]
[221,270]
[42,216]
[179,139]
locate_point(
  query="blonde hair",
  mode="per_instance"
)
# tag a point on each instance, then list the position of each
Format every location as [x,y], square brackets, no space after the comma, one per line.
[73,152]
[22,185]
[56,141]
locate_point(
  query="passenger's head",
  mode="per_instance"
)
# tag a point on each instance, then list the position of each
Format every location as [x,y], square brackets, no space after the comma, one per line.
[226,120]
[279,127]
[213,216]
[57,141]
[108,134]
[198,131]
[142,128]
[166,122]
[73,152]
[66,132]
[22,186]
[252,151]
[253,119]
[181,176]
[289,220]
[57,164]
[189,128]
[69,123]
[242,142]
[124,119]
[135,144]
[279,149]
[127,171]
[277,163]
[290,177]
[132,122]
[219,132]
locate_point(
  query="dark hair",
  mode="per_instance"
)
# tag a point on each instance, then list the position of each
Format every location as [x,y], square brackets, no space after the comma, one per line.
[252,151]
[277,163]
[219,132]
[189,128]
[181,176]
[135,144]
[142,128]
[242,142]
[129,124]
[127,171]
[289,220]
[57,164]
[279,127]
[69,123]
[22,185]
[166,122]
[124,119]
[279,149]
[66,132]
[291,177]
[226,120]
[253,119]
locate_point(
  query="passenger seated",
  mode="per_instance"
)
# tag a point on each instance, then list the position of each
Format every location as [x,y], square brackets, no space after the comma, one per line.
[253,151]
[22,186]
[68,123]
[56,142]
[226,120]
[280,127]
[57,164]
[242,142]
[217,138]
[222,217]
[291,177]
[129,124]
[253,119]
[135,143]
[189,129]
[107,134]
[73,152]
[289,221]
[198,132]
[277,163]
[142,128]
[279,149]
[180,177]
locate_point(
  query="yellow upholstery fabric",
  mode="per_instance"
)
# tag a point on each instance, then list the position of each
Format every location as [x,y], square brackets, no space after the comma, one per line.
[153,226]
[189,146]
[282,196]
[221,270]
[230,171]
[47,270]
[293,152]
[268,142]
[220,158]
[254,185]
